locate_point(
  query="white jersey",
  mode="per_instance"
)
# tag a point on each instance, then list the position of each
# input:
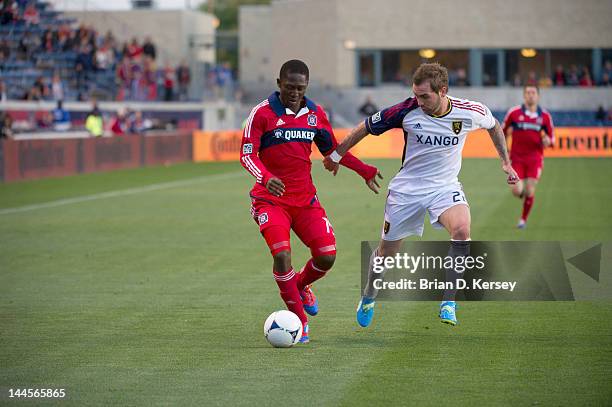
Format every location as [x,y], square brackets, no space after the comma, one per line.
[432,153]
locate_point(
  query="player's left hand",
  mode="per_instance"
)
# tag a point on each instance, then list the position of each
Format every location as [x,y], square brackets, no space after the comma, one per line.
[513,177]
[546,141]
[373,184]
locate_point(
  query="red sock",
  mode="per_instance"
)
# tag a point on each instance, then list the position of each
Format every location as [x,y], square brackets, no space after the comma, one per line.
[289,293]
[527,204]
[309,274]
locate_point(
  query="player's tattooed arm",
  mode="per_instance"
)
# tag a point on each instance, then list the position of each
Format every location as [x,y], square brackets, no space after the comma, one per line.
[330,162]
[499,141]
[356,135]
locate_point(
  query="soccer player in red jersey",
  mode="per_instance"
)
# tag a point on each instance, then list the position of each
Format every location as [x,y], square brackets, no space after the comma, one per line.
[531,129]
[276,146]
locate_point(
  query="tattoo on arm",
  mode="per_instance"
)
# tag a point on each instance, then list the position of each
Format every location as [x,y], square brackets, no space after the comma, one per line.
[499,141]
[357,134]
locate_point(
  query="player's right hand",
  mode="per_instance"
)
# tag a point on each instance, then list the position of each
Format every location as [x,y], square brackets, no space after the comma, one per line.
[513,177]
[330,165]
[373,184]
[275,186]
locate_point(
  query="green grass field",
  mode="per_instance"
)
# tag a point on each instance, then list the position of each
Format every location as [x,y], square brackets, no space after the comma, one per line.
[158,296]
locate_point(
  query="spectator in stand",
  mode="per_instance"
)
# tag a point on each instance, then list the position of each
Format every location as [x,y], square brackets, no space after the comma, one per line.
[150,78]
[600,115]
[168,83]
[558,78]
[5,51]
[532,79]
[368,108]
[42,87]
[57,87]
[585,79]
[3,94]
[183,75]
[572,78]
[61,118]
[544,82]
[94,123]
[134,50]
[6,125]
[516,80]
[607,69]
[49,41]
[148,48]
[124,77]
[605,80]
[118,124]
[105,57]
[462,77]
[30,14]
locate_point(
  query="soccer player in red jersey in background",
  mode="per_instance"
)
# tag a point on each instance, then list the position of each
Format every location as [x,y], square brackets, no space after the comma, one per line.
[531,129]
[276,146]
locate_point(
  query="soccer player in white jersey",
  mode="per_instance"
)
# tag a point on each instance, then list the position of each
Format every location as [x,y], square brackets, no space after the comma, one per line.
[435,128]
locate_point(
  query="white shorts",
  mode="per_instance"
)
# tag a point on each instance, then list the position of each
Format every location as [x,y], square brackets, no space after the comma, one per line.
[405,213]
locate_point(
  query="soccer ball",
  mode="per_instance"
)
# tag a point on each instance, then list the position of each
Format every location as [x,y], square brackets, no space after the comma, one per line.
[283,329]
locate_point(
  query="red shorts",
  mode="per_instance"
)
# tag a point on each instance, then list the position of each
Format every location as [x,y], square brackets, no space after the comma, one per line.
[309,223]
[528,167]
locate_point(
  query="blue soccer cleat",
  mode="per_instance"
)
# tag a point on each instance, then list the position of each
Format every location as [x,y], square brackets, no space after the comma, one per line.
[365,311]
[309,300]
[447,312]
[305,337]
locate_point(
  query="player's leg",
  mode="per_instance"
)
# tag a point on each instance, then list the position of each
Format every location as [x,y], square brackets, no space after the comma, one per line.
[313,227]
[533,173]
[274,224]
[450,210]
[404,216]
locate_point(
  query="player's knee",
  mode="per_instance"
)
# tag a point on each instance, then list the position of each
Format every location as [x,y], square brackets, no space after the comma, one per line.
[324,262]
[461,232]
[530,191]
[282,261]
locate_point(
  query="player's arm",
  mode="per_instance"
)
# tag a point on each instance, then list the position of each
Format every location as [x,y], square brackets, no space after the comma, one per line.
[249,158]
[327,144]
[548,135]
[376,124]
[499,141]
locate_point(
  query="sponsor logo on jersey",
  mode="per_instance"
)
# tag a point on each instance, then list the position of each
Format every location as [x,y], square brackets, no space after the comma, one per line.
[457,126]
[417,126]
[289,135]
[377,117]
[247,148]
[280,122]
[312,120]
[437,140]
[263,218]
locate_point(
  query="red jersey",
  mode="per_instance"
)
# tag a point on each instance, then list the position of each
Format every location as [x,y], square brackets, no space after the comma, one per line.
[276,142]
[527,128]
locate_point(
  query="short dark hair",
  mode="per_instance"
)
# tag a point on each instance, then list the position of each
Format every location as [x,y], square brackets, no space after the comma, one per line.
[531,86]
[294,66]
[436,74]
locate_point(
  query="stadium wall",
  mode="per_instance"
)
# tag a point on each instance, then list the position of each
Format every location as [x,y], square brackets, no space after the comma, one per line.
[32,159]
[570,142]
[318,31]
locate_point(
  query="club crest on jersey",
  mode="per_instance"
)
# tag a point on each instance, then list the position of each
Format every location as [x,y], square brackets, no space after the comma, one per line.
[278,133]
[387,227]
[263,218]
[457,126]
[377,117]
[312,120]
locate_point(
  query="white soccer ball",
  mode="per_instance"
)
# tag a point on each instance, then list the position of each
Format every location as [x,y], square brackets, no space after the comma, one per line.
[283,329]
